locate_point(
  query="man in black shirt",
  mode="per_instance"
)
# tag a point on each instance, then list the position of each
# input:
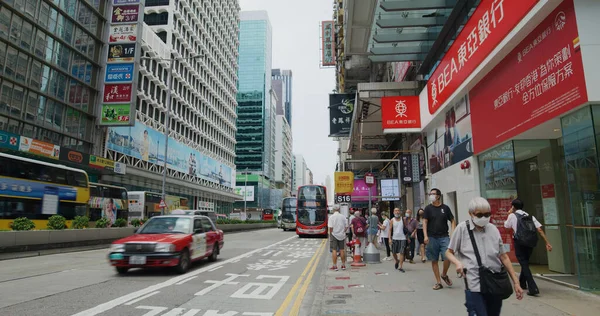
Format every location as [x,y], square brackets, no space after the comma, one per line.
[435,230]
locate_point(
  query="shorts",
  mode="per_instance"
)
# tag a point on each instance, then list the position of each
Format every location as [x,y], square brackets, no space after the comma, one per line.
[420,236]
[398,246]
[337,245]
[437,246]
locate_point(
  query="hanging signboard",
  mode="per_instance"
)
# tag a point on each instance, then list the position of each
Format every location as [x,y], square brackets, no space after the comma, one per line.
[341,108]
[328,42]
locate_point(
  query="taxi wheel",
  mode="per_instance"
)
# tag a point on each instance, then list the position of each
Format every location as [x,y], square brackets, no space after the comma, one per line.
[214,254]
[184,262]
[122,270]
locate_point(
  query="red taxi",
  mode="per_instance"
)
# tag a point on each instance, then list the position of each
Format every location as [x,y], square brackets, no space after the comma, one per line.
[168,241]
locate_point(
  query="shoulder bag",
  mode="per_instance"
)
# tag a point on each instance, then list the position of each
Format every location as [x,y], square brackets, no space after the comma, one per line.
[492,283]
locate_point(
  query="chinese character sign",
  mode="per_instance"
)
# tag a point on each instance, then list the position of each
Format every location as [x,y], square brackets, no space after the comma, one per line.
[490,23]
[123,33]
[400,114]
[344,182]
[121,52]
[361,191]
[115,93]
[125,13]
[341,108]
[328,42]
[540,79]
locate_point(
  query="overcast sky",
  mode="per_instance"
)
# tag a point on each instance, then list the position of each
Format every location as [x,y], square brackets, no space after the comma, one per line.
[296,47]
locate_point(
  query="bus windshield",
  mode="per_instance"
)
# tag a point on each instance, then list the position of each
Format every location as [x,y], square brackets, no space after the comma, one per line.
[312,205]
[288,210]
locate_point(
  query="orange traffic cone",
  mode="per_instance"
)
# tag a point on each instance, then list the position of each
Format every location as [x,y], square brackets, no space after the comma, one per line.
[357,262]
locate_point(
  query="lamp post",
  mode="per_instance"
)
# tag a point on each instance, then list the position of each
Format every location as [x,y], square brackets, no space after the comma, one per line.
[245,189]
[167,116]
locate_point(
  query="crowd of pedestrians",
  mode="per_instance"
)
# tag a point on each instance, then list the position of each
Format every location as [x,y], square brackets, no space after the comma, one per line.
[474,247]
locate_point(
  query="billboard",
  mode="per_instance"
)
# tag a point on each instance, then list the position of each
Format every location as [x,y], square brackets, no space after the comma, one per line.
[341,108]
[147,144]
[361,191]
[344,182]
[117,107]
[390,190]
[248,191]
[328,43]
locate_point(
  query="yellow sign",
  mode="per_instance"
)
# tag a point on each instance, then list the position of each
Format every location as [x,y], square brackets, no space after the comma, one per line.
[344,182]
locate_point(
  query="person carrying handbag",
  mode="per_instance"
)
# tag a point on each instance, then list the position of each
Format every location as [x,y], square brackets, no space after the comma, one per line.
[483,262]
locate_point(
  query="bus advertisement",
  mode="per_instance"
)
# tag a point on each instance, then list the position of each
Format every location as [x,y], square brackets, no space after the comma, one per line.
[143,204]
[108,201]
[267,214]
[311,214]
[288,213]
[37,190]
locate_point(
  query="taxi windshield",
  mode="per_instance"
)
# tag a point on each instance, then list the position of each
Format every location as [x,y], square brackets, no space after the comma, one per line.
[167,225]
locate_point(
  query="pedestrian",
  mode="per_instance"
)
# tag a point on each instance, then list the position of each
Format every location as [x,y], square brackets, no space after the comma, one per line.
[359,230]
[420,235]
[337,225]
[411,225]
[373,227]
[525,228]
[385,230]
[435,228]
[479,245]
[398,236]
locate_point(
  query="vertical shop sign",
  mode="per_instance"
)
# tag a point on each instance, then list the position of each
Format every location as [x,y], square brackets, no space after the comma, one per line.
[400,114]
[328,43]
[406,168]
[117,107]
[540,79]
[490,23]
[341,109]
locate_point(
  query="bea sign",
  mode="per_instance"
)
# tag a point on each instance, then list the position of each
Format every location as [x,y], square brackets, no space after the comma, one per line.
[400,114]
[485,29]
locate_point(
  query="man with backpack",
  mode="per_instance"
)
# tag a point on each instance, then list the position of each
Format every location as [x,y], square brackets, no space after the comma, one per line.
[525,228]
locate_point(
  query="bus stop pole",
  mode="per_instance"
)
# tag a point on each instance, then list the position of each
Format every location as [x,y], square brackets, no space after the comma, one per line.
[369,211]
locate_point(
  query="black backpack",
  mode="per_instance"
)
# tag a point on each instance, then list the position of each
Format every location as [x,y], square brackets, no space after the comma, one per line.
[526,234]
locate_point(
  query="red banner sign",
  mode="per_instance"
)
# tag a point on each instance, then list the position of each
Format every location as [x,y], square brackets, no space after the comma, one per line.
[401,112]
[117,93]
[539,80]
[485,29]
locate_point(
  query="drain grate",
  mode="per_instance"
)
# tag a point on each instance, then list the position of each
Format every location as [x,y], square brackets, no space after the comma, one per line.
[342,296]
[334,302]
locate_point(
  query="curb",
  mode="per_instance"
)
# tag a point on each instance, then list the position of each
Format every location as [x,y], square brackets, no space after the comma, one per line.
[551,280]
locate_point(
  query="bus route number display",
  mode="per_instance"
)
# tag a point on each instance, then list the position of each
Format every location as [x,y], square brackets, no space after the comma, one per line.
[343,198]
[311,203]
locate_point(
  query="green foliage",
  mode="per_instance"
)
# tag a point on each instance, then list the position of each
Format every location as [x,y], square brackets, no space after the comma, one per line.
[136,222]
[57,222]
[223,221]
[22,223]
[102,223]
[120,222]
[81,222]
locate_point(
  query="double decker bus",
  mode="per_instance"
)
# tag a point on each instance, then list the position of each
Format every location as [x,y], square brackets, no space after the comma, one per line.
[311,213]
[37,190]
[108,201]
[288,213]
[144,204]
[267,214]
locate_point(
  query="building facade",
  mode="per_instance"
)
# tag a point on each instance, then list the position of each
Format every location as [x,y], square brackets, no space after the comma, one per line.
[282,85]
[202,38]
[283,156]
[300,171]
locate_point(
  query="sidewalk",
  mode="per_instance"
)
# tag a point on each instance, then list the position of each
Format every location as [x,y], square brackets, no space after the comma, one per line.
[378,289]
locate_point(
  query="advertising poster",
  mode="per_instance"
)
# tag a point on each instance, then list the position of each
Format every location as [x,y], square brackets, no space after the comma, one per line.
[119,72]
[38,147]
[540,79]
[109,207]
[123,33]
[147,144]
[9,140]
[248,191]
[121,52]
[116,114]
[344,182]
[390,190]
[451,140]
[120,92]
[500,208]
[361,191]
[125,13]
[341,107]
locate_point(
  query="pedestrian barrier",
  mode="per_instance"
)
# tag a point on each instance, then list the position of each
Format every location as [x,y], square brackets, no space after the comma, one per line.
[372,254]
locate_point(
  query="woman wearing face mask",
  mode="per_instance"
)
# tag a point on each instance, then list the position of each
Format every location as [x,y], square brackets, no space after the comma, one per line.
[489,245]
[420,236]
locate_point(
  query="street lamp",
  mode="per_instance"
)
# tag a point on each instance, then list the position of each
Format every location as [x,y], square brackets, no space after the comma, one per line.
[245,189]
[167,114]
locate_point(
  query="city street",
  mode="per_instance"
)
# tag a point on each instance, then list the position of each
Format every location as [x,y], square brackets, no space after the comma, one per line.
[259,273]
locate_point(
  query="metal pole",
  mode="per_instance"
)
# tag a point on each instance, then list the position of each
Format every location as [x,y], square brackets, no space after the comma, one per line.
[399,182]
[167,127]
[369,211]
[245,190]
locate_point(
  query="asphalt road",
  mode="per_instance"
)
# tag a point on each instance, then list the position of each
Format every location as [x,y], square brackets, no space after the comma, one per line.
[259,273]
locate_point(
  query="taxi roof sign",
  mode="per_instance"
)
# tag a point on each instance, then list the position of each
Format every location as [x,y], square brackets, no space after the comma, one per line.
[178,212]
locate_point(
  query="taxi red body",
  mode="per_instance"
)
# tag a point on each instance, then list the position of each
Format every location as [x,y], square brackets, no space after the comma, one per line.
[168,241]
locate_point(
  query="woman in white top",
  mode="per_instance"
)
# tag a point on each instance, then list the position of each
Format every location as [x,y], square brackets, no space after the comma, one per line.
[398,239]
[385,231]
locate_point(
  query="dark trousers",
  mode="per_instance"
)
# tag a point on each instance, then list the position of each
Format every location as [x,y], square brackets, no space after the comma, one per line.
[525,278]
[386,241]
[482,304]
[409,253]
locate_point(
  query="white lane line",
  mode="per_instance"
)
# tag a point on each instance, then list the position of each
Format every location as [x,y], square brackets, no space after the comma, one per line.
[142,298]
[188,279]
[123,299]
[215,269]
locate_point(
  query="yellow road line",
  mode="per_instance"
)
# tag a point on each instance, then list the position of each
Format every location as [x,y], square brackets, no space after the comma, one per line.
[292,293]
[296,307]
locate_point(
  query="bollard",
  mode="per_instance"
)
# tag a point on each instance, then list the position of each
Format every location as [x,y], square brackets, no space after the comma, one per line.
[357,262]
[372,254]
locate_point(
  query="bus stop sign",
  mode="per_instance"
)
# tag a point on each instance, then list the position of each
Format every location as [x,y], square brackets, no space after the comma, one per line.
[369,179]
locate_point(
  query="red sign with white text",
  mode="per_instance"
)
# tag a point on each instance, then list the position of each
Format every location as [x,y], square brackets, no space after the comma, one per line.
[485,29]
[548,191]
[400,112]
[539,80]
[117,92]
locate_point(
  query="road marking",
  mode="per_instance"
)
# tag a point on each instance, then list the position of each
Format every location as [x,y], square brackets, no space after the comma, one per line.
[126,298]
[296,307]
[288,299]
[188,279]
[142,298]
[153,310]
[216,284]
[215,269]
[257,293]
